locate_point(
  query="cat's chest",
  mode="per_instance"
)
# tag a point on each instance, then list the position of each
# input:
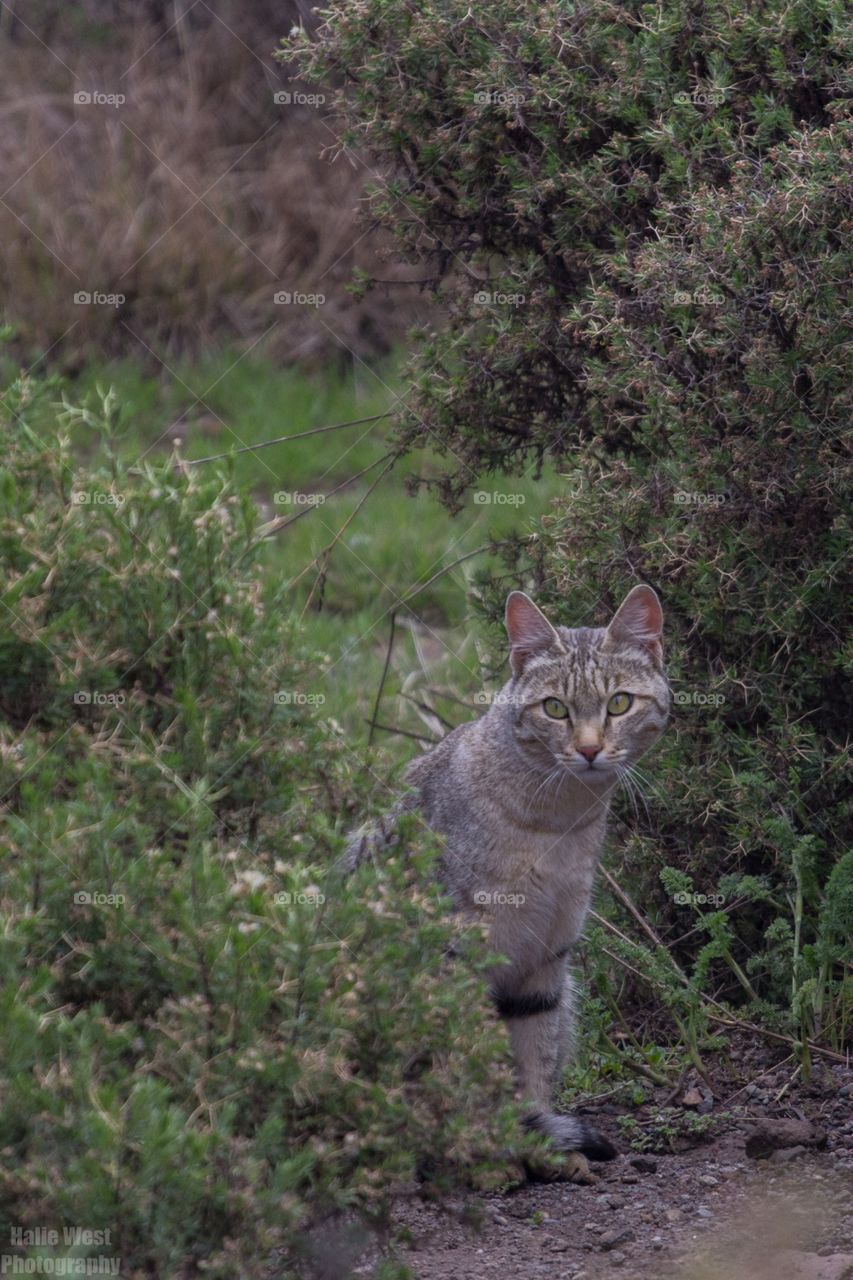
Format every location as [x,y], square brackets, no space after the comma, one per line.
[542,904]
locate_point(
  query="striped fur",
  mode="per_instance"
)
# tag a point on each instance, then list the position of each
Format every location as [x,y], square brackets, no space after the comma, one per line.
[521,798]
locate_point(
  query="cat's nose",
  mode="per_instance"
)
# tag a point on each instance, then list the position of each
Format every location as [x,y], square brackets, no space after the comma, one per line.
[589,753]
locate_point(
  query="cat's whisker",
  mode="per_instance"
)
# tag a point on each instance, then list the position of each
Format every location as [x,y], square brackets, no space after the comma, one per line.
[628,787]
[551,776]
[634,788]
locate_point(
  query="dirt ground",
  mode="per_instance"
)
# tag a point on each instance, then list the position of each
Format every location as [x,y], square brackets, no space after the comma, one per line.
[709,1211]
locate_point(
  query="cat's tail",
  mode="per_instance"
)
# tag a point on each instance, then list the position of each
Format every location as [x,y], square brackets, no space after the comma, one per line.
[377,838]
[571,1133]
[364,844]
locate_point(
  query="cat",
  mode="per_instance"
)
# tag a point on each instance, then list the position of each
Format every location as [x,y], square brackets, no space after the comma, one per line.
[521,797]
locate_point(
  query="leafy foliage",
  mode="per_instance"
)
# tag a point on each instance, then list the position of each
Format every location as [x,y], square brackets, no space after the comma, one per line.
[564,175]
[211,1042]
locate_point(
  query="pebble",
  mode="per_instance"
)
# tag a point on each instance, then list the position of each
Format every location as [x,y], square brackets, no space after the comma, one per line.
[708,1180]
[644,1163]
[630,1178]
[621,1235]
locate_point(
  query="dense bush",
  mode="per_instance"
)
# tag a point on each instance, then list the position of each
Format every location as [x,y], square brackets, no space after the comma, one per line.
[533,154]
[209,1042]
[639,218]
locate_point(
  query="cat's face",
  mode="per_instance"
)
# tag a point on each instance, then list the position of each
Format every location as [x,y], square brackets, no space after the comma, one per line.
[591,700]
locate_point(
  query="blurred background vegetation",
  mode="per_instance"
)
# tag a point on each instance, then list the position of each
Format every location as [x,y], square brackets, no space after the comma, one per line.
[217,653]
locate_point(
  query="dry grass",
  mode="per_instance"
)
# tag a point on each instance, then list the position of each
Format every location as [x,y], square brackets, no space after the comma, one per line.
[198,198]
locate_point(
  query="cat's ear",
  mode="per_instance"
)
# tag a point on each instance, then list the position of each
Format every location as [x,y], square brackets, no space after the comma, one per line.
[639,620]
[528,629]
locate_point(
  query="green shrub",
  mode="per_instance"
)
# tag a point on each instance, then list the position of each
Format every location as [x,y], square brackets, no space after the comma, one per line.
[210,1041]
[533,155]
[637,218]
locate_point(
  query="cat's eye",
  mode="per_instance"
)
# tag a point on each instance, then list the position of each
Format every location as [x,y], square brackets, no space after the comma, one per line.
[619,704]
[554,708]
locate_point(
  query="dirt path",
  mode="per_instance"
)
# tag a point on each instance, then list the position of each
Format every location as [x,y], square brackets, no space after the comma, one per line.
[711,1212]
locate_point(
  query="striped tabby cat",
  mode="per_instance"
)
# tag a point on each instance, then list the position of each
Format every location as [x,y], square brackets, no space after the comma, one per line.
[521,797]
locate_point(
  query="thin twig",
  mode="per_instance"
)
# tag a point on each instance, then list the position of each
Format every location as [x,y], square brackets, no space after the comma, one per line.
[641,920]
[468,555]
[406,733]
[284,522]
[327,550]
[424,706]
[384,674]
[775,1035]
[300,435]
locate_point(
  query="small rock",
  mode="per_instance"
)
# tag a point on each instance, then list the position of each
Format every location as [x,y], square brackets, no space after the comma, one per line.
[704,1213]
[673,1215]
[691,1098]
[708,1180]
[611,1239]
[645,1164]
[618,1259]
[773,1135]
[630,1178]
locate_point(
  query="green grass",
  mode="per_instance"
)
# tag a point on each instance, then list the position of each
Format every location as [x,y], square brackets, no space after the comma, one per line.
[393,546]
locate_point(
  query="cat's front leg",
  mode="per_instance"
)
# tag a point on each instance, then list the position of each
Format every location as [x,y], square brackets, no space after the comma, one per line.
[539,1013]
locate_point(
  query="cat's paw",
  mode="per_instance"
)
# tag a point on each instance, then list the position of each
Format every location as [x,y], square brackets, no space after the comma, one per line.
[576,1169]
[563,1166]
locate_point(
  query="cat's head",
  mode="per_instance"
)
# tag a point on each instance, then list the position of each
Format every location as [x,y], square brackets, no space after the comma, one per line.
[591,699]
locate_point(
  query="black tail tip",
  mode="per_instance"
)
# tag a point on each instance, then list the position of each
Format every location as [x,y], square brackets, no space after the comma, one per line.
[596,1147]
